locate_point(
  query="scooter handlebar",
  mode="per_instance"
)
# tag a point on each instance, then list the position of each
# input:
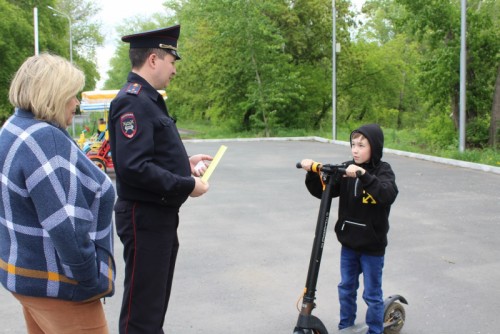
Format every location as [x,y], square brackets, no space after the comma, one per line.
[331,169]
[315,167]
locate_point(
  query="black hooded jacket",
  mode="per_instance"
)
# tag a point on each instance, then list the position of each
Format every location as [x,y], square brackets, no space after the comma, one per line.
[364,202]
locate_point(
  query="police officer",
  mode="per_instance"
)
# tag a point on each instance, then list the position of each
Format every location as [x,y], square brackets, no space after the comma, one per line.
[154,177]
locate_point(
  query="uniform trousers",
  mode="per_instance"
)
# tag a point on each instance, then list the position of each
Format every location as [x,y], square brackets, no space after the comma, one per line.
[50,316]
[149,235]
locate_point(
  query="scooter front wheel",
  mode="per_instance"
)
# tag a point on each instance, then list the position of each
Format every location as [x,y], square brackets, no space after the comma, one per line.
[306,331]
[394,318]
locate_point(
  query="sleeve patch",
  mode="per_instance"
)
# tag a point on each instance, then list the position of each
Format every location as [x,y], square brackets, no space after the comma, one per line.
[128,125]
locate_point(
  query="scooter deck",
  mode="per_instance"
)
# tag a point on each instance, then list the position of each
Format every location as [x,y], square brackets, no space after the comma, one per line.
[356,329]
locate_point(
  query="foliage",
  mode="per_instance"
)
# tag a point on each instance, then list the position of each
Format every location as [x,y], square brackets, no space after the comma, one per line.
[264,68]
[14,31]
[438,132]
[86,35]
[436,25]
[16,38]
[252,68]
[253,64]
[478,131]
[119,63]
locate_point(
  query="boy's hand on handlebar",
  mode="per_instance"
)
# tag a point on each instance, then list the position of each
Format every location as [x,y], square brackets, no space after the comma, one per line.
[354,171]
[307,164]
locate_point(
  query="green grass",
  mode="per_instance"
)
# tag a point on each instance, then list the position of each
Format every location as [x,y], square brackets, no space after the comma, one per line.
[404,140]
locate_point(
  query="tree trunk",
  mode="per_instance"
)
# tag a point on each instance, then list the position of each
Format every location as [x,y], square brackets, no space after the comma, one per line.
[259,83]
[495,114]
[324,109]
[401,99]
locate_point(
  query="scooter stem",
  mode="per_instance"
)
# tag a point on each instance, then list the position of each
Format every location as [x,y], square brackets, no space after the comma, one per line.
[305,318]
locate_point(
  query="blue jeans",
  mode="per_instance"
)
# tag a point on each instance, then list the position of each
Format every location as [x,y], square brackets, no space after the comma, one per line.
[352,264]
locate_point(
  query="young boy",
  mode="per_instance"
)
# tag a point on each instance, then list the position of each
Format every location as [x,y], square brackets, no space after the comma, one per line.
[365,193]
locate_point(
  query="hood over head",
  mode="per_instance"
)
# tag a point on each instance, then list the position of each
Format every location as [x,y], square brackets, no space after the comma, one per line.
[375,137]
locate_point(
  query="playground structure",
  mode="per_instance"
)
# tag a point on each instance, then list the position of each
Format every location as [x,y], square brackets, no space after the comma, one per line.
[96,146]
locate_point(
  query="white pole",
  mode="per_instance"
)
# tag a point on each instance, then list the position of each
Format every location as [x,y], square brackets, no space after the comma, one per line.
[35,27]
[334,73]
[462,76]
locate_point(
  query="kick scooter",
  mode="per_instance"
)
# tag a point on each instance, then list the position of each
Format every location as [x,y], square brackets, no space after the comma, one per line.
[394,312]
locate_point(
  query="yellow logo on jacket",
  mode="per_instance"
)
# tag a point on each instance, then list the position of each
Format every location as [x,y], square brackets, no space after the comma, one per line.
[368,199]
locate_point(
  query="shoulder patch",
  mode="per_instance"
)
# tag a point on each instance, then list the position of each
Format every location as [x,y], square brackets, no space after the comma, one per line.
[128,124]
[133,89]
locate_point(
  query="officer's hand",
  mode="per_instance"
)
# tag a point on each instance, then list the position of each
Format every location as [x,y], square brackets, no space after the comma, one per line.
[200,188]
[199,169]
[199,163]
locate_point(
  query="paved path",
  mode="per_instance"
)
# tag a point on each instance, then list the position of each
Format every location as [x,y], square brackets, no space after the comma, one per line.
[245,246]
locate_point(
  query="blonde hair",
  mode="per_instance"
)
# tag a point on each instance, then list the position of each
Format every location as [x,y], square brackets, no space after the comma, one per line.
[44,84]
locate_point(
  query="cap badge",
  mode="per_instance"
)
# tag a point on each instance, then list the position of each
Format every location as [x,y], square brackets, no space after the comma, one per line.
[166,46]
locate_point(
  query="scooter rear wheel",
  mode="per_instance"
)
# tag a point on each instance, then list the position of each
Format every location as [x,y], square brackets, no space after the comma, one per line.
[394,315]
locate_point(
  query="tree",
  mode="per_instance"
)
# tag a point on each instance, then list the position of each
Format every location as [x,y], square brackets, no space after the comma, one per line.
[15,44]
[262,66]
[86,35]
[16,38]
[256,65]
[494,7]
[233,50]
[379,83]
[436,25]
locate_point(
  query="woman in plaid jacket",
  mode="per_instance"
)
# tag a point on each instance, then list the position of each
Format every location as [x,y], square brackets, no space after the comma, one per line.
[56,234]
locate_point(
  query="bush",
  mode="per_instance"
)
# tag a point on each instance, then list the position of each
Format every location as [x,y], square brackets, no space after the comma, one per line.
[477,132]
[439,132]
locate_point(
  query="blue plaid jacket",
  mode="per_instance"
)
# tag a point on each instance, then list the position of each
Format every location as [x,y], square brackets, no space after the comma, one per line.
[56,233]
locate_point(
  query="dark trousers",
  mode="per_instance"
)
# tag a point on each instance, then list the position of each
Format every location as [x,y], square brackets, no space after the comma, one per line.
[149,236]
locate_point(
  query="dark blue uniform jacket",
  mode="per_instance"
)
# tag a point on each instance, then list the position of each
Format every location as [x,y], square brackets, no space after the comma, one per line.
[150,160]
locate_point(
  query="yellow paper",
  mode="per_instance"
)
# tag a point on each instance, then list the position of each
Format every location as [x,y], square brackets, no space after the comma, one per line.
[214,163]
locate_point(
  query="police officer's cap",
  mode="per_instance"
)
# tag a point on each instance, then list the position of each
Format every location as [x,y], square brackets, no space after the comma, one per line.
[165,38]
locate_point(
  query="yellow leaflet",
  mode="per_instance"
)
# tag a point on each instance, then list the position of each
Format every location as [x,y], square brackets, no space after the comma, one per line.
[214,163]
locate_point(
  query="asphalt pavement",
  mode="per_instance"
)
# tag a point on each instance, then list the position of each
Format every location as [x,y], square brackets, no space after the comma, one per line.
[245,245]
